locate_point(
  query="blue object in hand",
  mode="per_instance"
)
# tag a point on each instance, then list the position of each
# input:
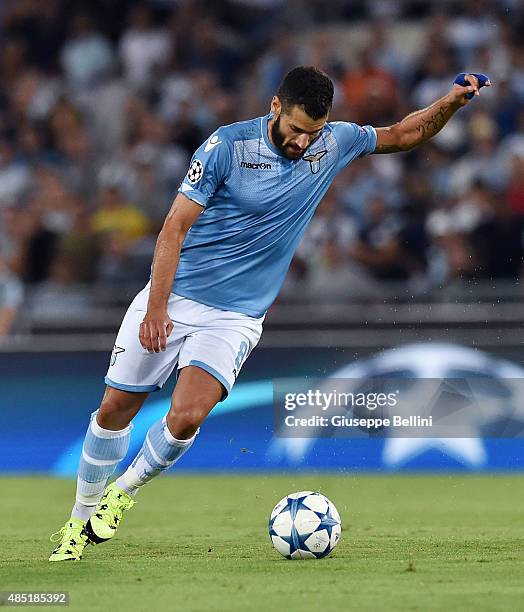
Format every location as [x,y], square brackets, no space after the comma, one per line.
[461,80]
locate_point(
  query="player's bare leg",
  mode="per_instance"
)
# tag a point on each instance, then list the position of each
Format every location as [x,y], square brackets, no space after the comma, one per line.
[106,443]
[197,392]
[195,395]
[118,408]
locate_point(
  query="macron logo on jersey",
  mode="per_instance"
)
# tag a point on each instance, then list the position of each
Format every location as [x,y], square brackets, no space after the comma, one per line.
[260,166]
[212,143]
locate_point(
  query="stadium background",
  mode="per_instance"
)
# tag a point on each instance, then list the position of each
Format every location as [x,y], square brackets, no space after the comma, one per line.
[102,104]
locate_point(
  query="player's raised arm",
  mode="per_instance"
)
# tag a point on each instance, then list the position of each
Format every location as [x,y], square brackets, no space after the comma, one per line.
[420,126]
[156,326]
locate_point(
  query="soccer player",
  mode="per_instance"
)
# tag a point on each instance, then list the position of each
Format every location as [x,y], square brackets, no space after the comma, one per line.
[220,260]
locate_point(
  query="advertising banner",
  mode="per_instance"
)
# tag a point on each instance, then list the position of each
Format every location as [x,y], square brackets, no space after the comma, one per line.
[415,407]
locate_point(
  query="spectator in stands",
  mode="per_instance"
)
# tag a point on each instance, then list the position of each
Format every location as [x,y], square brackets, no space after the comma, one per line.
[210,49]
[11,298]
[328,236]
[81,246]
[475,26]
[480,160]
[388,246]
[144,49]
[499,226]
[32,145]
[151,177]
[370,90]
[76,160]
[118,218]
[13,56]
[60,297]
[514,193]
[325,250]
[87,54]
[432,75]
[452,226]
[15,178]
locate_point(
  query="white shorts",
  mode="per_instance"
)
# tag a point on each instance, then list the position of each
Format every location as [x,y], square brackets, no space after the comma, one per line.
[218,341]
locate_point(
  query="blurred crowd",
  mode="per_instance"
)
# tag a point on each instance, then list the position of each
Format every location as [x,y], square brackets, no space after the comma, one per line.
[103,102]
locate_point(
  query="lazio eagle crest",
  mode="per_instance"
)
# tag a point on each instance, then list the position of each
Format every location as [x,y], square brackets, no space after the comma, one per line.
[314,160]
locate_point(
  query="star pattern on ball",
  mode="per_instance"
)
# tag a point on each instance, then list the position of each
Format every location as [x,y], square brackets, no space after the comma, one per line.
[304,525]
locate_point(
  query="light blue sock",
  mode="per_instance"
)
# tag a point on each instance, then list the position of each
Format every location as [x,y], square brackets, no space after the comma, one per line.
[103,449]
[158,453]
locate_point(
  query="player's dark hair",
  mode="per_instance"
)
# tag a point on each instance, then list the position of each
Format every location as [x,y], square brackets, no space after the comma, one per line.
[309,87]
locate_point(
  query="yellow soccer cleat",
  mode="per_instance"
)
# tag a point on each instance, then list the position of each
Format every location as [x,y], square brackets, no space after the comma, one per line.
[106,518]
[72,541]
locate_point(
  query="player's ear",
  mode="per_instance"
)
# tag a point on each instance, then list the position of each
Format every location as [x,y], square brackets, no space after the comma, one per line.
[276,106]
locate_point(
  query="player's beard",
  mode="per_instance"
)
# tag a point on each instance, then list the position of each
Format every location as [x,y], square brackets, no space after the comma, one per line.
[278,140]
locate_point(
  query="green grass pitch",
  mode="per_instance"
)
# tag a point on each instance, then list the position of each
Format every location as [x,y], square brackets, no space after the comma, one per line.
[200,543]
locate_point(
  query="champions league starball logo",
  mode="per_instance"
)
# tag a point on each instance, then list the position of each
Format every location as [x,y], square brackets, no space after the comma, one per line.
[469,394]
[195,172]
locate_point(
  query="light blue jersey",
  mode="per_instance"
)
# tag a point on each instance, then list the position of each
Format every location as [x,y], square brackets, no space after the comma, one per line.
[257,204]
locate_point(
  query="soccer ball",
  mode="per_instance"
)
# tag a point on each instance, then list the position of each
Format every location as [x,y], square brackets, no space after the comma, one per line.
[304,525]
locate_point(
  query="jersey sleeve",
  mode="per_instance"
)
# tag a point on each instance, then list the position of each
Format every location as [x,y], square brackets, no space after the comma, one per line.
[208,168]
[353,141]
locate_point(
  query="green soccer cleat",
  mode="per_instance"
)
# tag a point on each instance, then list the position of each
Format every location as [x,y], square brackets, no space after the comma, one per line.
[72,541]
[104,521]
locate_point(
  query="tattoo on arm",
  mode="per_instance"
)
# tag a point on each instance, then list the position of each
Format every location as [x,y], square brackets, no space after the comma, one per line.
[417,127]
[434,123]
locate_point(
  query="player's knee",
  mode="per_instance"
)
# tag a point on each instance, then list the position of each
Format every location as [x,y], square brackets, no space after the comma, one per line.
[186,415]
[117,409]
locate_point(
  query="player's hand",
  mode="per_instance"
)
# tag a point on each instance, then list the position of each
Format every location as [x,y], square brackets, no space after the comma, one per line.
[155,329]
[461,95]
